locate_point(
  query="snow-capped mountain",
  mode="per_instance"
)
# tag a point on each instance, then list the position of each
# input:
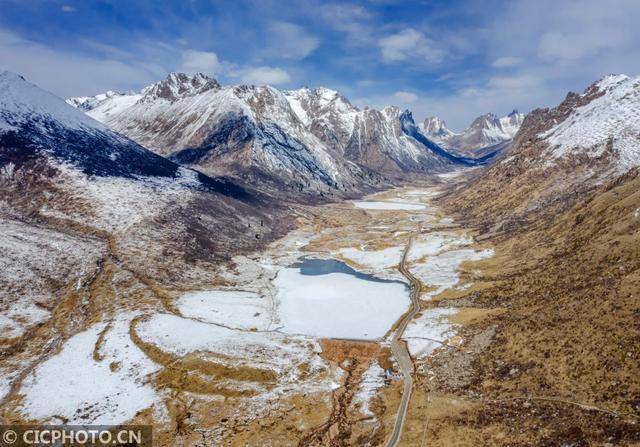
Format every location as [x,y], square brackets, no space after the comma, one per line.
[485,131]
[603,124]
[245,131]
[377,139]
[304,141]
[560,154]
[57,161]
[436,129]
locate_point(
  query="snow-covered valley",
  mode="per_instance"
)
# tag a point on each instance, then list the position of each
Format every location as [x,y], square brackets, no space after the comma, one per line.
[268,330]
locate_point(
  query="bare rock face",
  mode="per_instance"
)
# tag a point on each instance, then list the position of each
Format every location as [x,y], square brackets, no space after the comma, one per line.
[179,85]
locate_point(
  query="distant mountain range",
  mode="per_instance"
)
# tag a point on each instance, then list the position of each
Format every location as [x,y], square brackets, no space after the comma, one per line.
[300,142]
[486,131]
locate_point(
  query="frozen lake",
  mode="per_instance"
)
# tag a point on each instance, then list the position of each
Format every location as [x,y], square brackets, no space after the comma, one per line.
[389,206]
[327,298]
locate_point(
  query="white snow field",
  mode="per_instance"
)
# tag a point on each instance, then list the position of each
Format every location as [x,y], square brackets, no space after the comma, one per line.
[74,385]
[338,305]
[434,243]
[373,205]
[435,259]
[230,308]
[427,332]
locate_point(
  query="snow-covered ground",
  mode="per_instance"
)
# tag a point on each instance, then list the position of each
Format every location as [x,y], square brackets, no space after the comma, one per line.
[374,259]
[441,271]
[435,259]
[272,351]
[373,205]
[231,308]
[431,244]
[427,332]
[34,259]
[74,385]
[338,305]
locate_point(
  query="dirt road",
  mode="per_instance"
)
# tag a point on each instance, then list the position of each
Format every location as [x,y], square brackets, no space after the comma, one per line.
[399,348]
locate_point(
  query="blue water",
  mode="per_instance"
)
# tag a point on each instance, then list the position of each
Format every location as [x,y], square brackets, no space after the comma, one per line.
[315,267]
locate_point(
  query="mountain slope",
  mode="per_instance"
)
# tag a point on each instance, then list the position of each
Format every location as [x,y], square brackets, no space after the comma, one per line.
[57,161]
[560,153]
[561,211]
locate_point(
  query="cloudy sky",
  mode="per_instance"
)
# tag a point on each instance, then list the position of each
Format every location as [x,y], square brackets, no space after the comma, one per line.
[454,59]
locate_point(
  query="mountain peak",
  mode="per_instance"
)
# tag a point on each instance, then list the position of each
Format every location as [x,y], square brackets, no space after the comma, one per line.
[436,128]
[180,85]
[610,80]
[484,121]
[22,102]
[9,76]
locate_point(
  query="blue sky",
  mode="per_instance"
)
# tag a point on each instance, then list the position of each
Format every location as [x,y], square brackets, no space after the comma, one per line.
[454,59]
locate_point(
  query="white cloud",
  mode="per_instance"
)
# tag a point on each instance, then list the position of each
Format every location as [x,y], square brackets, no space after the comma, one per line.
[263,75]
[194,61]
[550,55]
[405,97]
[506,62]
[68,74]
[290,41]
[365,83]
[353,20]
[410,44]
[524,81]
[578,44]
[67,8]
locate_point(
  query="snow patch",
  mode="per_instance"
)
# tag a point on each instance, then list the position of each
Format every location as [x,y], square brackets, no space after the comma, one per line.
[372,381]
[426,333]
[441,271]
[373,259]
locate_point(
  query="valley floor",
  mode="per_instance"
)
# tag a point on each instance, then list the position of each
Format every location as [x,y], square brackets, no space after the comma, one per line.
[256,354]
[262,352]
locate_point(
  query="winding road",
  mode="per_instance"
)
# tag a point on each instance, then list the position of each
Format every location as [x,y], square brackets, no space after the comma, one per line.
[399,348]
